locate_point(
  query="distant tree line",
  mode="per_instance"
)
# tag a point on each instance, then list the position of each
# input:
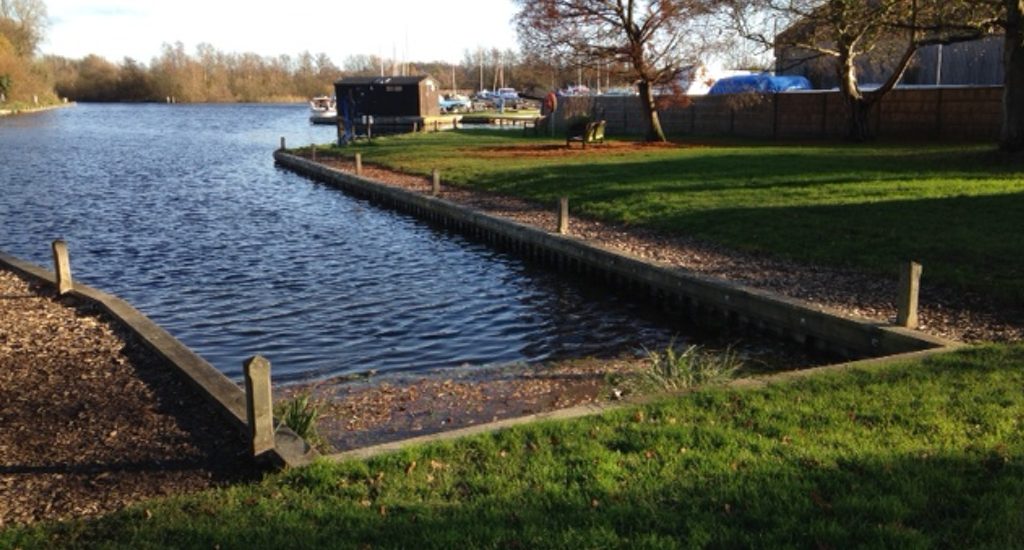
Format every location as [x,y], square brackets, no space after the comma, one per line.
[23,80]
[210,76]
[207,76]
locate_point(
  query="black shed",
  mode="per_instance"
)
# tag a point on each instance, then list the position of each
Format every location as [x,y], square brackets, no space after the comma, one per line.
[388,96]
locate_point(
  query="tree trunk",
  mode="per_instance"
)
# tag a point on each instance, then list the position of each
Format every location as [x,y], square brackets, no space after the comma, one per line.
[858,108]
[1012,136]
[654,131]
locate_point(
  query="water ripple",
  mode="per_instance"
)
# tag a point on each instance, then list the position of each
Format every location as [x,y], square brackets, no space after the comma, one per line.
[180,210]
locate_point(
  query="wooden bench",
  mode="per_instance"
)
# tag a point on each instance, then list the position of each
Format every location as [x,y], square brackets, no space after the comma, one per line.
[593,132]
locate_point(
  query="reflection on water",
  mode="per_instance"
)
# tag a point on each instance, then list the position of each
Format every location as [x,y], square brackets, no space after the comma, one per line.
[179,210]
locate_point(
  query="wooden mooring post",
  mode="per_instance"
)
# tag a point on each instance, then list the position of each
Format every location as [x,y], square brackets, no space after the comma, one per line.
[359,164]
[62,267]
[435,187]
[910,285]
[563,215]
[259,404]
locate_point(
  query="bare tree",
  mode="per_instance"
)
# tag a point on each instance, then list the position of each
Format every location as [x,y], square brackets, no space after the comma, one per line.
[851,30]
[24,23]
[652,39]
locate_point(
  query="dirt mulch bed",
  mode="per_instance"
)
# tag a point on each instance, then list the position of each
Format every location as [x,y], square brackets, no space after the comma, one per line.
[90,420]
[943,312]
[359,413]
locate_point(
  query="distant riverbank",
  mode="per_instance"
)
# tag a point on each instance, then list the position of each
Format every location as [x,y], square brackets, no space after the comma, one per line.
[18,110]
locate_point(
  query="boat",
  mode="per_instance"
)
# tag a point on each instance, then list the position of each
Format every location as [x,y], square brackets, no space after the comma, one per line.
[323,110]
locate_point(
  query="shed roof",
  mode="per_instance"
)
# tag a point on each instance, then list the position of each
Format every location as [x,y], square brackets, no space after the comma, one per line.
[398,80]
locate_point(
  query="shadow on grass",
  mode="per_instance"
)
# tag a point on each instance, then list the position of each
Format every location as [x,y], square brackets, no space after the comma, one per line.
[904,501]
[718,169]
[917,455]
[741,164]
[966,241]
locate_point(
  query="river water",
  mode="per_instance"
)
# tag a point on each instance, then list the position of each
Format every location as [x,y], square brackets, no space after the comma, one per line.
[180,210]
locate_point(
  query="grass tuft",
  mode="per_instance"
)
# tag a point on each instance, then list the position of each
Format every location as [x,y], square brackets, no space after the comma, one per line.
[677,368]
[299,414]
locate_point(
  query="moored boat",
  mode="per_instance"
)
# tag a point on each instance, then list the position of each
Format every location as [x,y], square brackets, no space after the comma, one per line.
[323,110]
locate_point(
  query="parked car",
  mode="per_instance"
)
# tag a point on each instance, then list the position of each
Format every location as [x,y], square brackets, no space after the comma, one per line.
[455,103]
[570,91]
[623,91]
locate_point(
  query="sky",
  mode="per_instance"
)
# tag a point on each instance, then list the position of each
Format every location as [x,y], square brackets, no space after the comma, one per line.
[412,30]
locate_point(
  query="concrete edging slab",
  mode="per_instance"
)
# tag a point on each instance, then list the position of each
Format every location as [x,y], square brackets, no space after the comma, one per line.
[600,408]
[796,319]
[799,320]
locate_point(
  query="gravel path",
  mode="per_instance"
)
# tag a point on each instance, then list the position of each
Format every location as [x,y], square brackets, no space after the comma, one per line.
[90,421]
[943,312]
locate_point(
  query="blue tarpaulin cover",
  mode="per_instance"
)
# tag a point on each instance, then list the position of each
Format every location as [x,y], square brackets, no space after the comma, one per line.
[759,83]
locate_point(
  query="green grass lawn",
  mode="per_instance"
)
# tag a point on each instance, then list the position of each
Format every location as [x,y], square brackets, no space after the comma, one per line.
[957,209]
[926,453]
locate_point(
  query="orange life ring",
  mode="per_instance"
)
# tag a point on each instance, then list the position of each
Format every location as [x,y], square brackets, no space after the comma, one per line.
[550,102]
